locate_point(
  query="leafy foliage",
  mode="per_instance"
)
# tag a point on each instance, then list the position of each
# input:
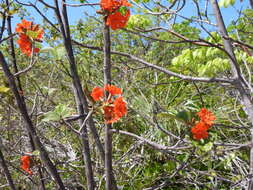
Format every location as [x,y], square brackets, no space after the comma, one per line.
[161,108]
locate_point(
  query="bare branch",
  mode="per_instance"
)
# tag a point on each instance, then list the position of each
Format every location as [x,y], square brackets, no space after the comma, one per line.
[5,169]
[239,82]
[81,101]
[150,143]
[32,62]
[7,38]
[81,4]
[167,72]
[29,125]
[110,182]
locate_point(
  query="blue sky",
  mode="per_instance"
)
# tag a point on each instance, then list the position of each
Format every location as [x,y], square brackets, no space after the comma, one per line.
[230,13]
[76,13]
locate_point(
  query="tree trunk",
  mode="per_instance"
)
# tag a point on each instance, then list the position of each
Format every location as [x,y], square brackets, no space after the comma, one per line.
[110,180]
[6,170]
[81,102]
[251,3]
[29,125]
[238,81]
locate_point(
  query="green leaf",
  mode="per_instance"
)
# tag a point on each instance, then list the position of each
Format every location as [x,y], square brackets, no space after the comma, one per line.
[61,111]
[47,90]
[184,115]
[60,52]
[51,116]
[166,115]
[46,49]
[170,165]
[36,153]
[226,3]
[141,1]
[12,12]
[139,21]
[4,89]
[57,52]
[32,34]
[123,10]
[182,157]
[207,147]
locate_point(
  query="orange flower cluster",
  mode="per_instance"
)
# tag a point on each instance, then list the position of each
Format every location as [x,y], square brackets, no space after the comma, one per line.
[114,106]
[200,129]
[26,164]
[28,33]
[118,13]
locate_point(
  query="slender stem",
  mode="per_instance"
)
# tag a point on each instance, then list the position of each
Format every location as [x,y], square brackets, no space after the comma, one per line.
[29,125]
[238,83]
[6,170]
[107,55]
[251,3]
[161,69]
[78,86]
[11,45]
[14,63]
[199,93]
[227,43]
[80,94]
[85,143]
[81,102]
[151,143]
[110,182]
[2,26]
[108,157]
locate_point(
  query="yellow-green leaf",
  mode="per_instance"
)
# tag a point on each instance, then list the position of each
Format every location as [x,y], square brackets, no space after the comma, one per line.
[4,89]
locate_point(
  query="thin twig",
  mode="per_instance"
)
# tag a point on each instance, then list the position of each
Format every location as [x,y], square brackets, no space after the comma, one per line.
[8,37]
[32,62]
[85,120]
[81,4]
[150,143]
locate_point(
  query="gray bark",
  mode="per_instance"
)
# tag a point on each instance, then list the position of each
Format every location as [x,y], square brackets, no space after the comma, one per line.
[238,80]
[29,125]
[6,170]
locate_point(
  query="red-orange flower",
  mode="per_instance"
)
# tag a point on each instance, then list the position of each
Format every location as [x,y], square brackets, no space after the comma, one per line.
[113,107]
[28,33]
[23,26]
[206,116]
[120,107]
[97,93]
[112,5]
[115,111]
[113,90]
[40,33]
[109,114]
[25,45]
[26,164]
[199,131]
[116,19]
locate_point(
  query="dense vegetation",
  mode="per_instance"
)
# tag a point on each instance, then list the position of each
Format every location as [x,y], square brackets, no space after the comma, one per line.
[170,66]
